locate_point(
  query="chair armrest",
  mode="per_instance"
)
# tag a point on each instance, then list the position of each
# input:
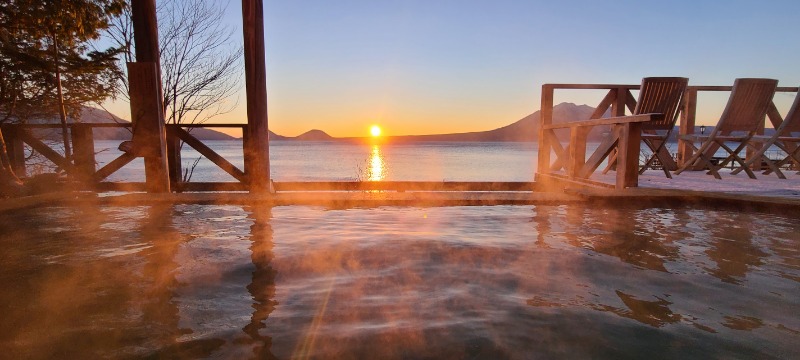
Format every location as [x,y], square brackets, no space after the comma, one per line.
[617,120]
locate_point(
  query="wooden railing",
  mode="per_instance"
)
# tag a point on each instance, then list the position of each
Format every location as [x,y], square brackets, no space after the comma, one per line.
[571,157]
[83,166]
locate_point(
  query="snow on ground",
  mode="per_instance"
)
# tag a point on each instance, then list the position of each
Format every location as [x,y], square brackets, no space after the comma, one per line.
[764,185]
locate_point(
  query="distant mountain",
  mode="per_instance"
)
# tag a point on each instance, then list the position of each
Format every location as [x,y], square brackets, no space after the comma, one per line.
[90,115]
[523,130]
[314,135]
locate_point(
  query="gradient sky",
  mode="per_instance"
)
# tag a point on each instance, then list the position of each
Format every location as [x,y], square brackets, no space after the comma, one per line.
[441,66]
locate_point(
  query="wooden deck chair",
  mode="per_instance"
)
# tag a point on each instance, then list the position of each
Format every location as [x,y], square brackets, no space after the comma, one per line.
[744,114]
[661,96]
[786,137]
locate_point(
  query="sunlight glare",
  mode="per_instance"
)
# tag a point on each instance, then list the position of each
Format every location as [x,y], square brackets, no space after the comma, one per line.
[377,167]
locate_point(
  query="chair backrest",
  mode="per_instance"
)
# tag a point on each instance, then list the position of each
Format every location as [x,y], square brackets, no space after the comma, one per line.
[661,95]
[747,106]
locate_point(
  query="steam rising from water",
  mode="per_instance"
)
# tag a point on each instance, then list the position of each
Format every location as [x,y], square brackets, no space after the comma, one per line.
[195,281]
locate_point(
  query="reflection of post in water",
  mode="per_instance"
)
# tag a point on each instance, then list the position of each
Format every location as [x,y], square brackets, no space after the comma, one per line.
[376,170]
[655,313]
[541,222]
[636,237]
[159,310]
[732,248]
[262,286]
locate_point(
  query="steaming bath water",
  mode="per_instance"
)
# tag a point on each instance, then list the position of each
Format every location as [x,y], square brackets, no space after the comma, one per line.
[203,281]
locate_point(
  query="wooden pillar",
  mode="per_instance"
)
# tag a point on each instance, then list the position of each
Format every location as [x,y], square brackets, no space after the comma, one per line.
[577,149]
[15,148]
[628,155]
[83,148]
[546,118]
[174,159]
[147,109]
[256,154]
[688,115]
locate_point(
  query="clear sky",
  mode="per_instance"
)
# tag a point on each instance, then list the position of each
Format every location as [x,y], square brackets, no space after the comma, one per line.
[441,66]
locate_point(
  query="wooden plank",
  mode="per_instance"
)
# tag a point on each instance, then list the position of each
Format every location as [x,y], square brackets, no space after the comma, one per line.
[545,119]
[15,148]
[256,155]
[628,155]
[147,113]
[145,35]
[687,121]
[603,121]
[174,158]
[210,154]
[592,86]
[603,150]
[577,149]
[113,166]
[83,150]
[604,104]
[630,101]
[46,151]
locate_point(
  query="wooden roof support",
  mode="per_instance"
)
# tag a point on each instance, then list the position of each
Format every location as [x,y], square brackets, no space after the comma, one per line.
[256,135]
[147,109]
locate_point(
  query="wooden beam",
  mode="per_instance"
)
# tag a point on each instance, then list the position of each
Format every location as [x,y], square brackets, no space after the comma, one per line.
[628,155]
[545,118]
[145,34]
[604,121]
[577,149]
[113,166]
[15,148]
[256,155]
[147,115]
[174,159]
[83,150]
[210,154]
[687,121]
[46,151]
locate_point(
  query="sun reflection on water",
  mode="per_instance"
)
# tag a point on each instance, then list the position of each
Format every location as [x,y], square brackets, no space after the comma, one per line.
[377,165]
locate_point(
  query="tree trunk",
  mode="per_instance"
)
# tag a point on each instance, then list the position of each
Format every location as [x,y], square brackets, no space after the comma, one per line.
[62,113]
[9,182]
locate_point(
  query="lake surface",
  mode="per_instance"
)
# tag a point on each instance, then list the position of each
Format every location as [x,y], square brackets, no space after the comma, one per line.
[518,282]
[340,161]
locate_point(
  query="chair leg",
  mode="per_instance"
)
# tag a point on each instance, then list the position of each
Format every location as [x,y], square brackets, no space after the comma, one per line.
[735,157]
[697,157]
[656,155]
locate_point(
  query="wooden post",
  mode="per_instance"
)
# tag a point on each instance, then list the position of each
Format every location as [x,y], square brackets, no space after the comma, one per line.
[83,147]
[149,134]
[577,149]
[256,154]
[620,102]
[758,165]
[147,109]
[688,115]
[546,118]
[15,148]
[174,159]
[628,155]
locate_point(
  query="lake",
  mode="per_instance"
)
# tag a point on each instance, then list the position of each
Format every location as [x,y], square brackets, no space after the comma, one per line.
[341,161]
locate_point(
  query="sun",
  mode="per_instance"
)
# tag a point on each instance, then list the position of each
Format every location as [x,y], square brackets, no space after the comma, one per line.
[375,130]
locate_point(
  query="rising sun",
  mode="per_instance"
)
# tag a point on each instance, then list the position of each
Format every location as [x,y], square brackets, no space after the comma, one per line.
[375,130]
